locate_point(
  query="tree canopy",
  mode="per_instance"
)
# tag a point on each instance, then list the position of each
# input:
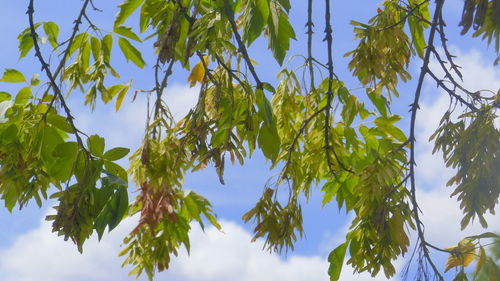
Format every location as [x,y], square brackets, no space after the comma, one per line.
[308,123]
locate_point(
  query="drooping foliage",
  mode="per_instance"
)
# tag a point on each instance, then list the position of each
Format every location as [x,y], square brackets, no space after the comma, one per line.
[316,133]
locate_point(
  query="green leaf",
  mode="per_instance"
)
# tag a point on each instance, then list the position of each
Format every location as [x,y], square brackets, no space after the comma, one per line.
[116,169]
[113,211]
[52,31]
[25,41]
[330,188]
[59,122]
[343,93]
[285,4]
[9,135]
[95,45]
[461,276]
[65,157]
[119,204]
[484,235]
[78,41]
[84,55]
[96,145]
[336,260]
[350,110]
[386,125]
[12,76]
[269,141]
[114,178]
[23,96]
[4,96]
[379,101]
[265,108]
[51,138]
[130,52]
[481,260]
[127,32]
[268,87]
[255,19]
[116,153]
[219,137]
[417,33]
[107,46]
[127,7]
[280,31]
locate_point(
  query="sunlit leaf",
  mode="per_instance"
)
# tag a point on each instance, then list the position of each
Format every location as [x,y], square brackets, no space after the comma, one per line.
[130,52]
[127,7]
[336,260]
[127,32]
[59,122]
[96,145]
[116,153]
[121,96]
[462,254]
[12,76]
[198,72]
[23,96]
[52,31]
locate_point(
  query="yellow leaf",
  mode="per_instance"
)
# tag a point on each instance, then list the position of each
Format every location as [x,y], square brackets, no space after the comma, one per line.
[481,259]
[120,97]
[492,274]
[197,73]
[461,255]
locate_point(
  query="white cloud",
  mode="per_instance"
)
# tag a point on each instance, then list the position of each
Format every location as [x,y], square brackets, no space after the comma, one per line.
[230,256]
[223,256]
[39,255]
[126,127]
[181,98]
[42,256]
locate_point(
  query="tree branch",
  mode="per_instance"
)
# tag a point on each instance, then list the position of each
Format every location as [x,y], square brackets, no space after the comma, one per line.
[329,93]
[159,88]
[414,108]
[62,62]
[45,67]
[243,50]
[310,32]
[453,66]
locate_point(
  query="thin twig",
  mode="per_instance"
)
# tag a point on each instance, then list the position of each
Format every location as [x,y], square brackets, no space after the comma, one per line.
[230,71]
[414,108]
[329,93]
[450,91]
[310,32]
[48,72]
[65,55]
[442,35]
[160,88]
[243,50]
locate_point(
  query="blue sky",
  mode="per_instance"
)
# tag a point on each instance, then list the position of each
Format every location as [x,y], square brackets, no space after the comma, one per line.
[29,251]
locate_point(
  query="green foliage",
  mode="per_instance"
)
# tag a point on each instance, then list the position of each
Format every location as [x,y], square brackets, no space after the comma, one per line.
[322,135]
[12,76]
[472,146]
[336,260]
